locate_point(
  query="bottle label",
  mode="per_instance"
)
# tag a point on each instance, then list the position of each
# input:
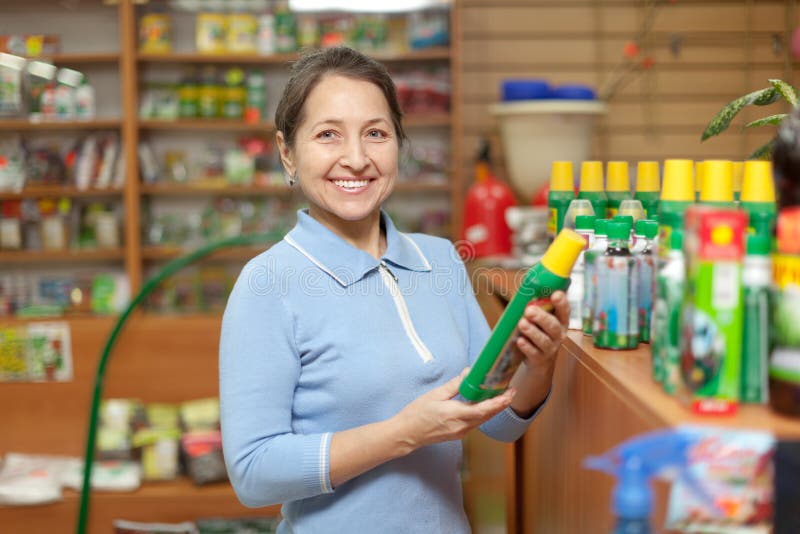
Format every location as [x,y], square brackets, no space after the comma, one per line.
[552,222]
[612,212]
[645,264]
[589,285]
[616,321]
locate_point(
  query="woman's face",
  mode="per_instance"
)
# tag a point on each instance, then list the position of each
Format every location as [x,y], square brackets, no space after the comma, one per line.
[345,151]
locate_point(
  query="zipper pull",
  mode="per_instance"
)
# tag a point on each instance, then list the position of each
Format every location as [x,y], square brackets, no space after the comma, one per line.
[386,268]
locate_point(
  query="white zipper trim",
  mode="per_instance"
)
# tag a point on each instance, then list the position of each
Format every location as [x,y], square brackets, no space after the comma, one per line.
[405,317]
[313,260]
[421,255]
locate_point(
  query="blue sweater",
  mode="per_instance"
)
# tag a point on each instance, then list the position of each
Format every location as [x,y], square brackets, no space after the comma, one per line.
[320,337]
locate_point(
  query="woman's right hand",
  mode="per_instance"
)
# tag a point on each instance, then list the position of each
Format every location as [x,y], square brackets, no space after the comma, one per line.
[435,416]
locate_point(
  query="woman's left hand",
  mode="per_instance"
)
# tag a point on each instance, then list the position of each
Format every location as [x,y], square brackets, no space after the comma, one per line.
[542,332]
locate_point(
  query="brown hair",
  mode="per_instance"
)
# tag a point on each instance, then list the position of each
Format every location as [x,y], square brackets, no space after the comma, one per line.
[309,70]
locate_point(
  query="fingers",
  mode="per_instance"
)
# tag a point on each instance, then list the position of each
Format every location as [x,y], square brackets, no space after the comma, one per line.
[561,304]
[475,414]
[449,389]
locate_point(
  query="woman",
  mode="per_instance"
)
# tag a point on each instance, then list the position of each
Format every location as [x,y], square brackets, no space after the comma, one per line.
[343,345]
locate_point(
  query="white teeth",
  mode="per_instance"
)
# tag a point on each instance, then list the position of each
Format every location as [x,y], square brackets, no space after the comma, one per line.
[351,184]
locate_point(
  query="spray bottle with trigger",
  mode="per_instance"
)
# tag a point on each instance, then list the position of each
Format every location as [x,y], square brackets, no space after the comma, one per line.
[634,463]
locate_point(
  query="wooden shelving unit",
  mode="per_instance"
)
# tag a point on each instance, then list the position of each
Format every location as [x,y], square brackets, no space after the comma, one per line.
[59,256]
[165,253]
[52,191]
[208,125]
[25,125]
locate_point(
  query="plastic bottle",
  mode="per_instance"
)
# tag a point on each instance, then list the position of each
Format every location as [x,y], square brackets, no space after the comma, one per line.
[579,206]
[584,226]
[758,197]
[188,95]
[597,248]
[616,323]
[666,319]
[485,205]
[756,279]
[500,357]
[642,251]
[716,187]
[618,185]
[647,187]
[677,194]
[591,186]
[561,193]
[256,103]
[84,101]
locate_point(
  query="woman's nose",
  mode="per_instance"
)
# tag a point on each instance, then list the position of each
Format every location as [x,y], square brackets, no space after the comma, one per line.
[354,156]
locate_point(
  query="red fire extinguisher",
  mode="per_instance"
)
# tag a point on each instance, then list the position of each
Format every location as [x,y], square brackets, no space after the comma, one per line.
[485,230]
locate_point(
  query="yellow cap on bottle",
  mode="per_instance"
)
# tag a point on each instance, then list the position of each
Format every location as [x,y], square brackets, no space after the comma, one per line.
[647,179]
[563,252]
[757,183]
[717,181]
[738,175]
[699,175]
[591,176]
[561,176]
[678,184]
[617,177]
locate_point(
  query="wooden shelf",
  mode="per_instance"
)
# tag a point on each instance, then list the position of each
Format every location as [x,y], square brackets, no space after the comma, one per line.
[213,188]
[80,58]
[27,125]
[39,256]
[165,253]
[219,125]
[421,121]
[434,53]
[45,191]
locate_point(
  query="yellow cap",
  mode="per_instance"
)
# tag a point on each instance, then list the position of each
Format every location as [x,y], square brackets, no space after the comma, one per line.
[678,182]
[617,178]
[738,174]
[699,175]
[561,176]
[647,179]
[563,252]
[757,183]
[591,176]
[717,181]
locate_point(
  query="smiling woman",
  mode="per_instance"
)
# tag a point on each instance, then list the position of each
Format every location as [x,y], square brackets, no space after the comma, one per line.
[340,354]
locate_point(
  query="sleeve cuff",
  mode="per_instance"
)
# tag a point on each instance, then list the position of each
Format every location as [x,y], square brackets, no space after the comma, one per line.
[508,426]
[316,465]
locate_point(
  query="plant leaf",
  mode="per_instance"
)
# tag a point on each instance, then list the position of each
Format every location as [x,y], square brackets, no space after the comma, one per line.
[762,152]
[788,92]
[723,119]
[772,119]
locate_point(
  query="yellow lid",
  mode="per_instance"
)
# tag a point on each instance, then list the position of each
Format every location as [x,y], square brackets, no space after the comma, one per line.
[647,179]
[591,176]
[617,178]
[757,183]
[678,184]
[699,175]
[738,174]
[717,181]
[563,252]
[561,176]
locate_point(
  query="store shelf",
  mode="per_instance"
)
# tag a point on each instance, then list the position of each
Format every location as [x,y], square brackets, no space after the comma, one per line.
[45,191]
[213,188]
[43,256]
[84,58]
[434,53]
[422,187]
[27,125]
[219,125]
[432,119]
[169,252]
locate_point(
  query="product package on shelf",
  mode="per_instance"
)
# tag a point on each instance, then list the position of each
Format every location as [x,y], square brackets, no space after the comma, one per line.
[36,352]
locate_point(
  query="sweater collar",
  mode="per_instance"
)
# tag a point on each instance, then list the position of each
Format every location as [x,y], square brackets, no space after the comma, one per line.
[345,263]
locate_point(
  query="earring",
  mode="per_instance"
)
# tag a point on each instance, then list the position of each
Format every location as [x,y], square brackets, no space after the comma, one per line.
[291,179]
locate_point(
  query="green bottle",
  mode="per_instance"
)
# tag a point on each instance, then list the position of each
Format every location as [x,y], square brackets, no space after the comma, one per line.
[756,280]
[562,192]
[647,187]
[666,320]
[500,357]
[591,187]
[618,185]
[716,187]
[642,251]
[597,248]
[677,194]
[758,197]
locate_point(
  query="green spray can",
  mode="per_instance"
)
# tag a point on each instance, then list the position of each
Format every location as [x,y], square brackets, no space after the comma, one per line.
[665,322]
[647,187]
[500,357]
[618,185]
[756,279]
[591,187]
[677,194]
[758,197]
[597,248]
[642,251]
[562,192]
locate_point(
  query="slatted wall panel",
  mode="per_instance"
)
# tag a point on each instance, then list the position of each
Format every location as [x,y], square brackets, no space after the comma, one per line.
[727,48]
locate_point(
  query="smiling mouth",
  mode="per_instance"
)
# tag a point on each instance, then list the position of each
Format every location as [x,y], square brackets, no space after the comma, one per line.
[352,185]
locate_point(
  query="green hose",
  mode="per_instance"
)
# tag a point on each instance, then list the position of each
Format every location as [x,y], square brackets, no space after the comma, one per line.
[168,270]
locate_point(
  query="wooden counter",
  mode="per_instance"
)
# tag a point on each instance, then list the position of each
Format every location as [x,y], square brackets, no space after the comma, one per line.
[600,398]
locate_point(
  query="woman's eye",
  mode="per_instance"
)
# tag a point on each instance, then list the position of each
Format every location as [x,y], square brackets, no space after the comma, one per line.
[377,134]
[327,134]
